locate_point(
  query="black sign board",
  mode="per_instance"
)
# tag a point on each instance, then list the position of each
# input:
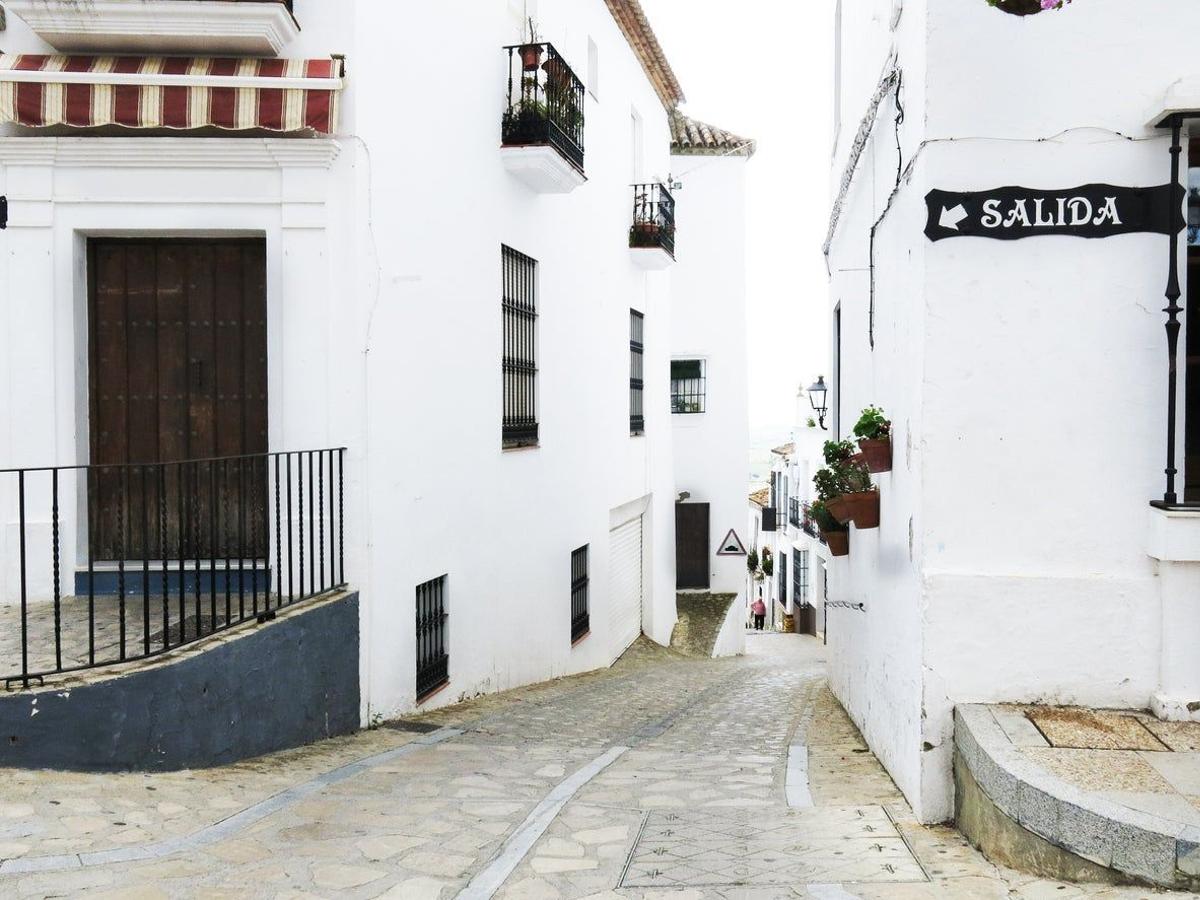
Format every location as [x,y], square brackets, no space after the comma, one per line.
[1091,211]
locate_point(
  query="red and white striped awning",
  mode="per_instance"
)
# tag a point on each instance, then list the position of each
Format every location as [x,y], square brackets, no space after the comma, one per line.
[281,95]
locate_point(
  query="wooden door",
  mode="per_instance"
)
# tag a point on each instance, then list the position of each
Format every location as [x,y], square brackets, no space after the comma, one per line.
[691,546]
[177,356]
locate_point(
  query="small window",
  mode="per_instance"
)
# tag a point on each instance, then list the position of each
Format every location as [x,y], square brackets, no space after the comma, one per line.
[519,309]
[637,417]
[687,386]
[593,73]
[783,579]
[580,621]
[433,657]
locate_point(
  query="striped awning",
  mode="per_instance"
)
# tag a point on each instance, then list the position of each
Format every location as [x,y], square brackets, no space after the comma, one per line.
[283,95]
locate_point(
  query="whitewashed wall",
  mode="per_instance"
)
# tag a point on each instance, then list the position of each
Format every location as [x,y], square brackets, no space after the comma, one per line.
[1026,382]
[709,323]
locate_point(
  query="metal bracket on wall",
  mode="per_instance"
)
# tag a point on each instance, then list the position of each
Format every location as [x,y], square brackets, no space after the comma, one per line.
[842,604]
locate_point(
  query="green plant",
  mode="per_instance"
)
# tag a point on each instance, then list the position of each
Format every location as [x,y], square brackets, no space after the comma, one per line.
[873,425]
[810,422]
[841,478]
[768,564]
[824,518]
[838,451]
[752,561]
[829,483]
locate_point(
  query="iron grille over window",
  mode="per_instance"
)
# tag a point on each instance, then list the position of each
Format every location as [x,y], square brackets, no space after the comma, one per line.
[783,579]
[653,218]
[687,386]
[545,102]
[795,513]
[433,660]
[519,304]
[580,622]
[800,578]
[637,330]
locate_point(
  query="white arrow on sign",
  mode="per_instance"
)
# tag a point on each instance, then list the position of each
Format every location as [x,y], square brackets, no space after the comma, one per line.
[951,217]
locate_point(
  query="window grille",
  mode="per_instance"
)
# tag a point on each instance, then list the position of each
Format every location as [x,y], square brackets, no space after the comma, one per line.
[783,579]
[519,305]
[580,621]
[637,418]
[688,386]
[800,578]
[433,658]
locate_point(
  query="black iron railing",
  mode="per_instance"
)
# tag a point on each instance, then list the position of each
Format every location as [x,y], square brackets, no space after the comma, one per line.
[580,618]
[124,562]
[795,512]
[637,384]
[653,218]
[433,655]
[545,102]
[809,525]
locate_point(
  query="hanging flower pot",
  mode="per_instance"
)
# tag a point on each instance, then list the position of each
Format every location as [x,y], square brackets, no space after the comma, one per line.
[557,71]
[839,508]
[531,56]
[877,454]
[863,508]
[838,541]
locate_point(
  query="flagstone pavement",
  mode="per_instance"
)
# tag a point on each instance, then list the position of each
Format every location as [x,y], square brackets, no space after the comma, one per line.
[663,778]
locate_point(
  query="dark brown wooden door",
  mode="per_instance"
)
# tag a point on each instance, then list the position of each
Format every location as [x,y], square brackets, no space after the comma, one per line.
[177,371]
[691,546]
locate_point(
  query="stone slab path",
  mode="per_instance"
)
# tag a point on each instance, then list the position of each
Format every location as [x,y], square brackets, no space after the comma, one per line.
[663,778]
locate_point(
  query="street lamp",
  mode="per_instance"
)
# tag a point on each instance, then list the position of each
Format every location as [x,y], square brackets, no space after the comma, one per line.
[818,396]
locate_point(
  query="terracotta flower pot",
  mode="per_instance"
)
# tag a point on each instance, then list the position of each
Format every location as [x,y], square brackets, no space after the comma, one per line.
[838,541]
[1019,7]
[531,56]
[863,508]
[839,508]
[877,454]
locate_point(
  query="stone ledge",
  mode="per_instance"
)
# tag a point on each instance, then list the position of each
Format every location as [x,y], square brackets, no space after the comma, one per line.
[1097,835]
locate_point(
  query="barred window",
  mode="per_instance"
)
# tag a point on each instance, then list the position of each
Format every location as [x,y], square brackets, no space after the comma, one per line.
[433,658]
[637,416]
[519,308]
[783,578]
[687,386]
[580,622]
[800,578]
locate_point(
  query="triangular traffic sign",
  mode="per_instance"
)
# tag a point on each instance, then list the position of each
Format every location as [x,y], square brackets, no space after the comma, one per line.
[732,545]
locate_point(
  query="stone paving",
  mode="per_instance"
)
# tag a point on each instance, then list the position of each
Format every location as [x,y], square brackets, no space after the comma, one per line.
[687,802]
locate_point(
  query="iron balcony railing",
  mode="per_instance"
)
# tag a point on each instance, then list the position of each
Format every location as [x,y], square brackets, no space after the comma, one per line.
[175,552]
[795,512]
[653,218]
[809,525]
[545,102]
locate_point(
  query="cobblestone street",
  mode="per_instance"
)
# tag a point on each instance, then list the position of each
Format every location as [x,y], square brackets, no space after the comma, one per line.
[664,777]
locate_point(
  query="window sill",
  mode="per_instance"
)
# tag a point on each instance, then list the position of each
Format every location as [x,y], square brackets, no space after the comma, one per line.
[517,448]
[430,694]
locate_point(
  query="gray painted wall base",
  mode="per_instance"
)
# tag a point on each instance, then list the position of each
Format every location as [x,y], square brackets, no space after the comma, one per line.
[280,685]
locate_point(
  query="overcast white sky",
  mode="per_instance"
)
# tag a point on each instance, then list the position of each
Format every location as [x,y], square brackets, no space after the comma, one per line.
[764,69]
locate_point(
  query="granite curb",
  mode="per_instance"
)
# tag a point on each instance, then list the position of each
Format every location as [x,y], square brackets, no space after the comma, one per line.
[1140,845]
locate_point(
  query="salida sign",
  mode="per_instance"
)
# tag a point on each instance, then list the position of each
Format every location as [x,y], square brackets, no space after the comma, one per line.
[1091,211]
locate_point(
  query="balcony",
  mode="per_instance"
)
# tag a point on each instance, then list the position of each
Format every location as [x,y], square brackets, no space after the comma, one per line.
[652,234]
[542,128]
[235,27]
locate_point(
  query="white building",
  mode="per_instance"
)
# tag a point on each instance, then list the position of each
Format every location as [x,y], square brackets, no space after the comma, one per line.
[709,387]
[324,244]
[1019,557]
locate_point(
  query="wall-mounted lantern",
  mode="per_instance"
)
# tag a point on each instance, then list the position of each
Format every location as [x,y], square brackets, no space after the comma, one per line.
[818,396]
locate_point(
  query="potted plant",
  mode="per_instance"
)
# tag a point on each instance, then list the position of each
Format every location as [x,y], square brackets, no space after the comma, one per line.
[1027,7]
[531,50]
[831,487]
[861,499]
[874,433]
[835,535]
[752,563]
[768,564]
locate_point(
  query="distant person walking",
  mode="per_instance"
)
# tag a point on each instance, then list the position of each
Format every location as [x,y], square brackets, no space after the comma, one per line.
[759,609]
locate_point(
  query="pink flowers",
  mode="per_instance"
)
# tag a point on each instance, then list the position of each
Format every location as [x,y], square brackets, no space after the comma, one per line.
[1052,4]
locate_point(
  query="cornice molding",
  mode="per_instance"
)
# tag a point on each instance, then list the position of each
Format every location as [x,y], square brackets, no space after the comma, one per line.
[170,152]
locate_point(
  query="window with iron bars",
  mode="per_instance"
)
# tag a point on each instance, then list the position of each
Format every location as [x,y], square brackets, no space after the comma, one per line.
[519,308]
[637,331]
[433,657]
[800,578]
[687,386]
[580,620]
[783,579]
